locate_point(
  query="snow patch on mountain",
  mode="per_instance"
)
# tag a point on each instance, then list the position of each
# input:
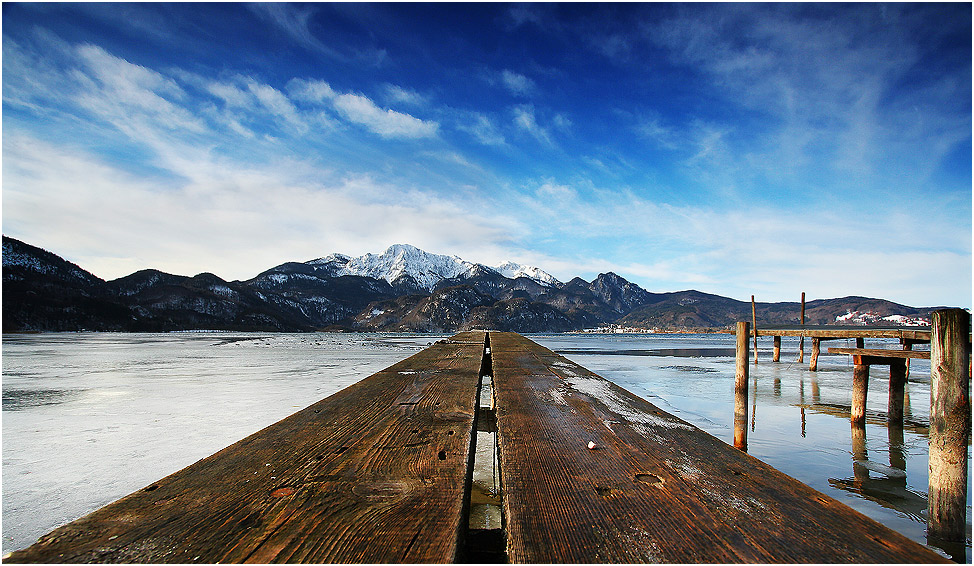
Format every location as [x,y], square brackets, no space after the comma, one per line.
[513,270]
[864,318]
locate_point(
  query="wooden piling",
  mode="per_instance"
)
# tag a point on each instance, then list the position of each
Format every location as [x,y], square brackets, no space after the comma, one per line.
[950,426]
[897,386]
[740,388]
[777,349]
[801,339]
[754,326]
[816,350]
[860,387]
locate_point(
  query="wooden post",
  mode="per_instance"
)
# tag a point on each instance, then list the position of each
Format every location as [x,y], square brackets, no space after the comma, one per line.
[754,328]
[777,349]
[740,388]
[907,345]
[801,339]
[816,350]
[950,427]
[897,385]
[860,386]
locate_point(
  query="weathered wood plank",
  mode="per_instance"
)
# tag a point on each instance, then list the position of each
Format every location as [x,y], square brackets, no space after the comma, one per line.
[374,473]
[836,332]
[655,488]
[882,353]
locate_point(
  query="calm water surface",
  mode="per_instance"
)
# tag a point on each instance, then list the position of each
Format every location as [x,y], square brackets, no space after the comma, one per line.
[89,418]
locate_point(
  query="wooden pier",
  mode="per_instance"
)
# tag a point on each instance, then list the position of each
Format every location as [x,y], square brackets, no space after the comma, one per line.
[381,472]
[950,407]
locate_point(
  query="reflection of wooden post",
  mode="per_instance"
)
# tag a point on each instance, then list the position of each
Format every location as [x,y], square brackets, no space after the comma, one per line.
[897,459]
[859,455]
[860,386]
[740,388]
[777,349]
[950,426]
[897,384]
[816,350]
[754,324]
[801,339]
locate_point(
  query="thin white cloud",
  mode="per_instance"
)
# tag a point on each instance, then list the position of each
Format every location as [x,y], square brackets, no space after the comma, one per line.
[517,83]
[278,104]
[760,249]
[524,118]
[294,20]
[117,89]
[398,94]
[387,123]
[818,77]
[360,109]
[230,94]
[482,128]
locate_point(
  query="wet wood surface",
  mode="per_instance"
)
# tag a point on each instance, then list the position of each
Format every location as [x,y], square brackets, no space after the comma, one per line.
[374,473]
[654,488]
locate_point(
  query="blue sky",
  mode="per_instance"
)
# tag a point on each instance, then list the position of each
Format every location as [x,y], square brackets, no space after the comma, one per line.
[736,149]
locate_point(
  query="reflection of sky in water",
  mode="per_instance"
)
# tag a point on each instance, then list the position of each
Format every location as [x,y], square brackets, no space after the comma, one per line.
[798,420]
[88,418]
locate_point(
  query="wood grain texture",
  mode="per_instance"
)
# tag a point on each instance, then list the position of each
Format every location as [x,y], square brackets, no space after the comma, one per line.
[374,473]
[914,334]
[655,488]
[880,354]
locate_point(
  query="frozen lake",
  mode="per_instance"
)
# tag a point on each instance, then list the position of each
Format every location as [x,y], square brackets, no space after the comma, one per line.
[91,417]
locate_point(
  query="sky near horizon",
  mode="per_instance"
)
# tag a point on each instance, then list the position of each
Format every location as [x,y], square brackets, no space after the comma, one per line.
[736,149]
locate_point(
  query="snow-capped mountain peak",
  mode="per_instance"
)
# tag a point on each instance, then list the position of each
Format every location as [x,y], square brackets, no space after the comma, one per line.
[514,270]
[401,260]
[404,262]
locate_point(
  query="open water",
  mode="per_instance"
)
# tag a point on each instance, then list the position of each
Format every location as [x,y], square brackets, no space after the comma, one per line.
[90,417]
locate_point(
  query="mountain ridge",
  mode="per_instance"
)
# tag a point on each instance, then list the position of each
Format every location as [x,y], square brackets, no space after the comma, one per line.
[402,289]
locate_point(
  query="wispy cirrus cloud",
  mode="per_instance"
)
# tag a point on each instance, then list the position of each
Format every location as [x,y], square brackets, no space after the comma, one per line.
[817,78]
[526,120]
[362,110]
[385,122]
[398,94]
[517,83]
[692,245]
[295,21]
[482,128]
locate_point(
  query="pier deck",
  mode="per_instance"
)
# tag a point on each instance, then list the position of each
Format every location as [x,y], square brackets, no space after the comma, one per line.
[381,472]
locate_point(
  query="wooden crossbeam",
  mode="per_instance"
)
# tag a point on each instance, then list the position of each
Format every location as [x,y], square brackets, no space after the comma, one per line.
[879,356]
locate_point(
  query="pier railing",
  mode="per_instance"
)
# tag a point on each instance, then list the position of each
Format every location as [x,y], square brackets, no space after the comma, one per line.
[382,472]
